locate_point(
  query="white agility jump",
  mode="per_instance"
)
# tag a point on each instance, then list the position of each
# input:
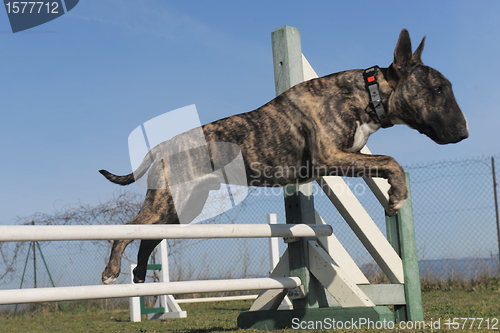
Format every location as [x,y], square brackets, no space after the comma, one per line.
[13,296]
[339,286]
[27,233]
[59,233]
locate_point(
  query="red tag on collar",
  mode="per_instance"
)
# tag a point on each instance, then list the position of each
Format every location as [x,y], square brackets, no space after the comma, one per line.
[370,79]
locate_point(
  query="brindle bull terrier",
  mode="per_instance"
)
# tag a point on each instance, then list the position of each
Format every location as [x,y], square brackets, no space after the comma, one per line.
[317,124]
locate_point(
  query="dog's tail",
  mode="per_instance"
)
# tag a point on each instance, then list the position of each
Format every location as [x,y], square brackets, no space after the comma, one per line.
[131,177]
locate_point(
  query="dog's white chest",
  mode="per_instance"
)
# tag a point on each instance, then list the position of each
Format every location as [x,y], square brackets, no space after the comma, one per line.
[363,131]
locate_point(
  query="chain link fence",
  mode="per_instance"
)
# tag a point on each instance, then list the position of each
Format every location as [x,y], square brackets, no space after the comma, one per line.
[454,216]
[456,219]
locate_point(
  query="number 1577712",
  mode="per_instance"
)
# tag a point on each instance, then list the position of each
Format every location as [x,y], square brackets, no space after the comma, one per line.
[32,7]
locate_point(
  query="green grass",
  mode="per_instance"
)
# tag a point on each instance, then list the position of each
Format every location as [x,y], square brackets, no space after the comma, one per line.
[440,302]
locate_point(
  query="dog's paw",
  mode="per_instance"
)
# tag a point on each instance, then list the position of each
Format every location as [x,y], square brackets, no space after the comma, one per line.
[138,277]
[108,279]
[138,280]
[397,197]
[396,206]
[109,275]
[399,205]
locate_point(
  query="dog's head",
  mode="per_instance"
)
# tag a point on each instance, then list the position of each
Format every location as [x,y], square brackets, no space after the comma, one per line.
[422,97]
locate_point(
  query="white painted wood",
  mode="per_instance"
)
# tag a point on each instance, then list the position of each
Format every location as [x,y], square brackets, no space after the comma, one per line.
[163,276]
[379,186]
[286,304]
[172,309]
[274,252]
[334,279]
[19,233]
[282,269]
[364,227]
[269,300]
[162,253]
[135,302]
[385,294]
[36,295]
[168,301]
[309,72]
[169,304]
[340,256]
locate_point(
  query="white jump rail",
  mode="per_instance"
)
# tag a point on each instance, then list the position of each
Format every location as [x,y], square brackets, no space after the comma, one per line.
[27,233]
[15,296]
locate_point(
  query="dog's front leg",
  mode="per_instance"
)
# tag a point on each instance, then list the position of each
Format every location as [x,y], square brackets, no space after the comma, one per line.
[348,164]
[112,270]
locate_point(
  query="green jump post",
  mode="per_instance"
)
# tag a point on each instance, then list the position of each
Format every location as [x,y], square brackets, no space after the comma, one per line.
[401,235]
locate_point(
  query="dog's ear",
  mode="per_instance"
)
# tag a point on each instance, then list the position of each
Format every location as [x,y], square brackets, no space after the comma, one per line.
[402,54]
[417,55]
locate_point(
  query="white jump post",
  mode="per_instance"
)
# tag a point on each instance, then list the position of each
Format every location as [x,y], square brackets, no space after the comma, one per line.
[135,302]
[274,257]
[166,306]
[274,254]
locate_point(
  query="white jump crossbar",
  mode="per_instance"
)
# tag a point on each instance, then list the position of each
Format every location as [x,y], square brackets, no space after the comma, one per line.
[26,233]
[14,296]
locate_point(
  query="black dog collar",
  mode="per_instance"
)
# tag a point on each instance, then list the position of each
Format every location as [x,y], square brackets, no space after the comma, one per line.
[371,84]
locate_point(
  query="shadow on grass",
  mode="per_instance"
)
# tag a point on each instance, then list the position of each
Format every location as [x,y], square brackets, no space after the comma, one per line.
[211,329]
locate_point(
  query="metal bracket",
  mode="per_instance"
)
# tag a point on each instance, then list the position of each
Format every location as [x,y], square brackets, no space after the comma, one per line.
[296,293]
[289,240]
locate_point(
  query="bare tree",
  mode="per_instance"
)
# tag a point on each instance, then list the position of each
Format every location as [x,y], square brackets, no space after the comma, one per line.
[121,208]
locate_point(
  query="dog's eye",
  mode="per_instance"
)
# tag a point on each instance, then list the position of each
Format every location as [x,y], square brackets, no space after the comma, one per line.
[438,90]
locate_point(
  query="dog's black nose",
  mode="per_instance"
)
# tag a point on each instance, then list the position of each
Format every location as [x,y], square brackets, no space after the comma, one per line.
[459,136]
[465,130]
[465,134]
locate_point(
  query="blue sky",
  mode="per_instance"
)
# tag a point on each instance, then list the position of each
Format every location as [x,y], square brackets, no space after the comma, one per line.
[74,88]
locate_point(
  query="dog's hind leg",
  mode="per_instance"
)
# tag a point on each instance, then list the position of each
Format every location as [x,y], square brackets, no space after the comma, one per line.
[147,246]
[191,208]
[159,207]
[157,204]
[112,270]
